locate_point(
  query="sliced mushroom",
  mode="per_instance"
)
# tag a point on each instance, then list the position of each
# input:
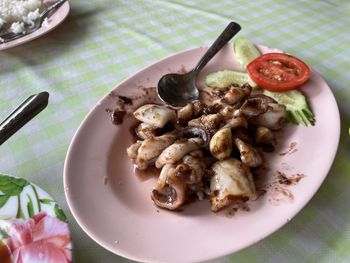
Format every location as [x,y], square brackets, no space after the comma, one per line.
[192,168]
[177,150]
[221,144]
[194,131]
[253,107]
[227,111]
[211,122]
[185,114]
[264,135]
[213,109]
[236,122]
[273,118]
[163,176]
[242,134]
[156,115]
[133,149]
[232,181]
[170,192]
[265,98]
[151,148]
[189,111]
[144,131]
[197,108]
[248,154]
[247,89]
[195,154]
[235,94]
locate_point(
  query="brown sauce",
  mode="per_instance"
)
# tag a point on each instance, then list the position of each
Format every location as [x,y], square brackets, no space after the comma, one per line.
[125,100]
[291,149]
[117,116]
[280,195]
[125,105]
[237,206]
[292,180]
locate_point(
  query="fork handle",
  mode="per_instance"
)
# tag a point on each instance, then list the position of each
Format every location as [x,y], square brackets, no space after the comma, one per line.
[55,5]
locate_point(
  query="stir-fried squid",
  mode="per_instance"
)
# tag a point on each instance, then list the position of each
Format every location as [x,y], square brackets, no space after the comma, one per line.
[207,150]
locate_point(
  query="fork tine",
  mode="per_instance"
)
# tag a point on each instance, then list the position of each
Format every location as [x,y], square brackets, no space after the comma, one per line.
[10,36]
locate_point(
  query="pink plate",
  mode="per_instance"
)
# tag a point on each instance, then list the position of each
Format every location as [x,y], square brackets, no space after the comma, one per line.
[54,20]
[114,207]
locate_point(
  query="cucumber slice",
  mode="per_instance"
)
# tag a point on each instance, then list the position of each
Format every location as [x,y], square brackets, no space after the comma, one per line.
[225,78]
[245,51]
[298,110]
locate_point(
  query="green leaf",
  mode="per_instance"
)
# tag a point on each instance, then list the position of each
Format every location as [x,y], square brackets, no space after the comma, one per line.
[59,213]
[30,207]
[3,234]
[11,186]
[3,200]
[46,201]
[36,197]
[19,208]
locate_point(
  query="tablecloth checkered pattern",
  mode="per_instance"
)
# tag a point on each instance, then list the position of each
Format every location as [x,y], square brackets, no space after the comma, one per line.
[103,42]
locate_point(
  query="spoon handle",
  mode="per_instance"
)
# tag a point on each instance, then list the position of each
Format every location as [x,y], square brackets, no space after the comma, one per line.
[231,30]
[24,113]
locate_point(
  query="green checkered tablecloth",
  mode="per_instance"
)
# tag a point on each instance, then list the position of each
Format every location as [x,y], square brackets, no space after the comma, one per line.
[104,41]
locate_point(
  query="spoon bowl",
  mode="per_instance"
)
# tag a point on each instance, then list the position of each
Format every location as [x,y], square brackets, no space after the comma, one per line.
[179,89]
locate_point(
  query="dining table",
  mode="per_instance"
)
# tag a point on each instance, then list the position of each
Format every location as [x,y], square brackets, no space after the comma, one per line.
[101,43]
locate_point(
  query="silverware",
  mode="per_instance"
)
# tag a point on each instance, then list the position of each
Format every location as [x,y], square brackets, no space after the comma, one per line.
[24,113]
[38,23]
[180,89]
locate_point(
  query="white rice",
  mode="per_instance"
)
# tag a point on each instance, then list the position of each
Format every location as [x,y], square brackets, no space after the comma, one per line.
[15,15]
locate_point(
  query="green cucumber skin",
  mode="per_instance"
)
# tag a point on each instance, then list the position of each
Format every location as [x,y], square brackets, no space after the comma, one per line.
[298,110]
[225,78]
[245,51]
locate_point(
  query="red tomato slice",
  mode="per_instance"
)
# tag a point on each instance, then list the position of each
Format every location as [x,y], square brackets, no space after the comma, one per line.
[278,71]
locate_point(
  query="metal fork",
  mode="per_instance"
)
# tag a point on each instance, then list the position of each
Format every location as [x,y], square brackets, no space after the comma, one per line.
[38,23]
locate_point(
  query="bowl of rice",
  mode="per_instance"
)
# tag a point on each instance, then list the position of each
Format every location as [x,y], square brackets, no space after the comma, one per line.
[16,16]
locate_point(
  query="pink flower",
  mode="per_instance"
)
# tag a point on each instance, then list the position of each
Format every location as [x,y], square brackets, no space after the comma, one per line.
[43,239]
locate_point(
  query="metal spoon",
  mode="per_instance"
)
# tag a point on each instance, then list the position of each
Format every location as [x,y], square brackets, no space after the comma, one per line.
[24,113]
[180,89]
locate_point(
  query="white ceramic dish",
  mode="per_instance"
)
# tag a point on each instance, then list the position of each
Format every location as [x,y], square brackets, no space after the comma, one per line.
[33,228]
[120,215]
[57,18]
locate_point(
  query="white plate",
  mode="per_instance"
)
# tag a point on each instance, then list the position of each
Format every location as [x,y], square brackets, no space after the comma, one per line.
[33,228]
[57,18]
[120,215]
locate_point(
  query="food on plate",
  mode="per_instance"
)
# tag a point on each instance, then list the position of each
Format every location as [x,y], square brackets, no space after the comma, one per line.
[17,15]
[278,71]
[210,149]
[225,78]
[245,51]
[207,149]
[279,74]
[298,110]
[232,180]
